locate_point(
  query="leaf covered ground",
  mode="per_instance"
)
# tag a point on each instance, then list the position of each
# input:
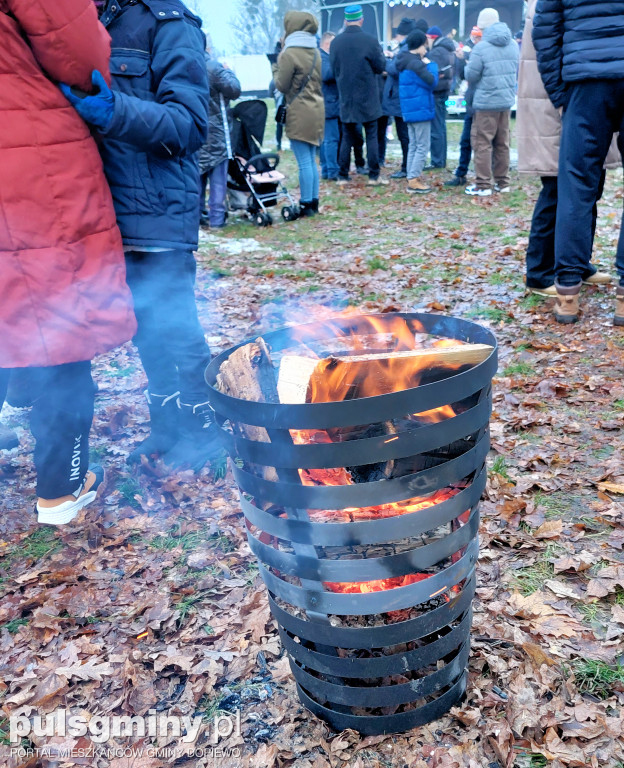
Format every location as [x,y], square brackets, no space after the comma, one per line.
[151,601]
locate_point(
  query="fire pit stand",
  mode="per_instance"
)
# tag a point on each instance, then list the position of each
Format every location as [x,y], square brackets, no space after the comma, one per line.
[374,614]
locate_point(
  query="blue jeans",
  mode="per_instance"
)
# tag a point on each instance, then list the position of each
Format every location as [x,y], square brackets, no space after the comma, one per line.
[594,113]
[217,212]
[305,155]
[169,337]
[438,131]
[465,147]
[329,148]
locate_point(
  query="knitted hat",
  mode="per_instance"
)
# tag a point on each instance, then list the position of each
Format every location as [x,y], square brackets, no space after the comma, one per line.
[406,26]
[476,32]
[415,39]
[353,13]
[422,25]
[487,17]
[434,32]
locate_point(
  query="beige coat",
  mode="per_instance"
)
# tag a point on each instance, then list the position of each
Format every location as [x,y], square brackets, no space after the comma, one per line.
[306,112]
[538,123]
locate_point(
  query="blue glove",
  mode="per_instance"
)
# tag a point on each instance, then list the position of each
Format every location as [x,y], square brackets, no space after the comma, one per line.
[97,108]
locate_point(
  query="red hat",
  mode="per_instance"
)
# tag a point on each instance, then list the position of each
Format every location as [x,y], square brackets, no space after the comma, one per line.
[476,32]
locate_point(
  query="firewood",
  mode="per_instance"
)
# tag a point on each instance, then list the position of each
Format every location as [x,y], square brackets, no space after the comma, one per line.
[300,377]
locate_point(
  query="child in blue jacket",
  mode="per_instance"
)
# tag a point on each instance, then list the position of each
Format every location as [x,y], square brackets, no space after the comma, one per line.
[417,78]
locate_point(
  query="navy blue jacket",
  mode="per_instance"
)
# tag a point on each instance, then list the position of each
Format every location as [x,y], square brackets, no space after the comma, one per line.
[391,102]
[417,81]
[330,88]
[578,40]
[159,123]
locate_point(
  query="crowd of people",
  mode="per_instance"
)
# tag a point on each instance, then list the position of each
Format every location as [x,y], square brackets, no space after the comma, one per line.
[115,121]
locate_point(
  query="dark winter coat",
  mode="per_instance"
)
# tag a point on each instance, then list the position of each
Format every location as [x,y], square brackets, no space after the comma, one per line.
[443,53]
[306,110]
[64,296]
[224,85]
[159,123]
[357,59]
[330,88]
[578,40]
[417,81]
[493,69]
[391,102]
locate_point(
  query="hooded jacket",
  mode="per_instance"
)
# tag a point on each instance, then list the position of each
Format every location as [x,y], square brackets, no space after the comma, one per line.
[443,53]
[538,123]
[391,101]
[330,89]
[62,271]
[357,60]
[159,123]
[417,82]
[493,68]
[305,119]
[224,86]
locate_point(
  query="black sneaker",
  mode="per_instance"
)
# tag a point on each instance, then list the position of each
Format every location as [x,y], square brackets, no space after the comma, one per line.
[200,439]
[398,175]
[456,181]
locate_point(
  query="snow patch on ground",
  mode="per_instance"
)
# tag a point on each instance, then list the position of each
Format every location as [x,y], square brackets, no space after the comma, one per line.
[231,246]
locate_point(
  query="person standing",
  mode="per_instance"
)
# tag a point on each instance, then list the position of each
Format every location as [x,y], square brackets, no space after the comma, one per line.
[465,146]
[391,102]
[215,155]
[442,52]
[417,79]
[580,56]
[298,75]
[151,124]
[538,129]
[357,60]
[331,137]
[64,294]
[493,70]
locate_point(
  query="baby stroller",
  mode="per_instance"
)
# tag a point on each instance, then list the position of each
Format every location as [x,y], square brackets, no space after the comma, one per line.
[254,183]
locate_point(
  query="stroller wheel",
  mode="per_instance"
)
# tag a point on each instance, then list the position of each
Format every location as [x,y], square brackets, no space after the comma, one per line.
[290,212]
[263,219]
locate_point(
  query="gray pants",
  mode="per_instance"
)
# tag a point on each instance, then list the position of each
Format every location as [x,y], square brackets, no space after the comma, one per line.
[419,141]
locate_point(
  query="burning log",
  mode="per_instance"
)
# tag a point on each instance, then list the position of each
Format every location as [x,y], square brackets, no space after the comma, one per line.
[305,379]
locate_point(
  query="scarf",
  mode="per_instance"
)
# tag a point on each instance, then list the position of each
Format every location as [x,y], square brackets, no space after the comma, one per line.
[300,40]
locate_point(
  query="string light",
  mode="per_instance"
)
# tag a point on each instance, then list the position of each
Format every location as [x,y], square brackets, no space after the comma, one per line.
[424,3]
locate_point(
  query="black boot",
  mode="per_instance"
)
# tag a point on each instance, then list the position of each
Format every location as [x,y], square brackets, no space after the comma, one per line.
[306,209]
[315,205]
[164,427]
[199,441]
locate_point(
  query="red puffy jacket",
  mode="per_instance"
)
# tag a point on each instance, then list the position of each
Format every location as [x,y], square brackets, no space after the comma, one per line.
[63,293]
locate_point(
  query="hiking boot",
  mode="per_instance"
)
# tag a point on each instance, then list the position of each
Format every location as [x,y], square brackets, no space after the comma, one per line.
[618,318]
[8,438]
[550,292]
[200,439]
[418,185]
[456,181]
[378,182]
[398,175]
[567,304]
[164,427]
[64,509]
[315,205]
[598,278]
[474,190]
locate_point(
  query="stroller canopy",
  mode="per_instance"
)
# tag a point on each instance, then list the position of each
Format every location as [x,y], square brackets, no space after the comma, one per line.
[248,124]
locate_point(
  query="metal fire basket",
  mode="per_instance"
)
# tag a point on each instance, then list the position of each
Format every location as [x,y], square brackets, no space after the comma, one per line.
[381,675]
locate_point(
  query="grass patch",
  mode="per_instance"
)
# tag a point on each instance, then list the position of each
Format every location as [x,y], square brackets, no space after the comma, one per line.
[499,467]
[596,677]
[12,627]
[376,263]
[531,579]
[496,279]
[493,314]
[519,369]
[531,301]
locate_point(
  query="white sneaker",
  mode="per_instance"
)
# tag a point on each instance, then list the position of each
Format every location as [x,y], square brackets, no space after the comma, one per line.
[498,188]
[63,510]
[472,190]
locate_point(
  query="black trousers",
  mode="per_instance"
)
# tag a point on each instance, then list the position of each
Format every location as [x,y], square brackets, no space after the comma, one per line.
[60,421]
[169,336]
[540,255]
[403,136]
[595,112]
[350,139]
[382,127]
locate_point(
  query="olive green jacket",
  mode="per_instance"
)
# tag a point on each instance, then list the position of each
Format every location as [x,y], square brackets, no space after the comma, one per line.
[306,112]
